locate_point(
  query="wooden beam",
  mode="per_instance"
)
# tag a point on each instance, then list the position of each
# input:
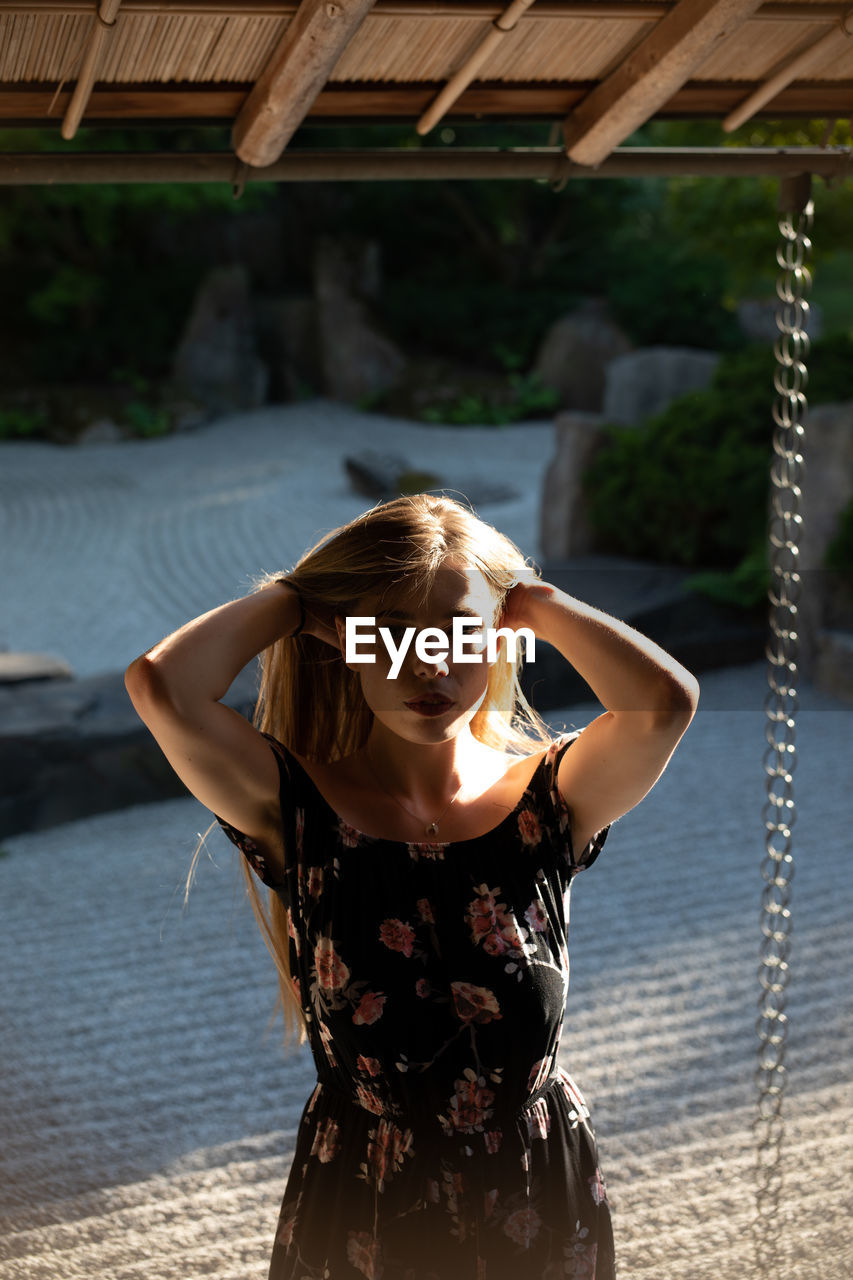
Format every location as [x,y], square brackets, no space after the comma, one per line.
[547,10]
[650,75]
[295,74]
[30,105]
[424,164]
[105,17]
[820,51]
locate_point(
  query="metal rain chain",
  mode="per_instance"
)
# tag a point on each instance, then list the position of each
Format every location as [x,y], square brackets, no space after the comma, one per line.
[780,757]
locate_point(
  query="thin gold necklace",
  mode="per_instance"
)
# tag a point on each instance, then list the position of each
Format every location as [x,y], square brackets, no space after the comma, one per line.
[431,828]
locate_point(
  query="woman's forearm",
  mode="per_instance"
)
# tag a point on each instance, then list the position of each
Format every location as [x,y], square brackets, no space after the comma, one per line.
[200,661]
[625,670]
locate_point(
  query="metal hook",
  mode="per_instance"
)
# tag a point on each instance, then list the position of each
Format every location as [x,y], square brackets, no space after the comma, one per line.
[238,180]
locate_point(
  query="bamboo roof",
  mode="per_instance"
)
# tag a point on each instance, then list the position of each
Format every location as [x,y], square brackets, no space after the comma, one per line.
[600,67]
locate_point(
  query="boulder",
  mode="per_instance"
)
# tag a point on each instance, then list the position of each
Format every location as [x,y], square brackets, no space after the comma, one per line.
[645,381]
[216,363]
[358,362]
[15,668]
[757,319]
[289,341]
[564,528]
[826,603]
[575,353]
[384,476]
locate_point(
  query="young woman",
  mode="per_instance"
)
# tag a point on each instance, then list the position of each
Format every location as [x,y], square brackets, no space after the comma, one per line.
[418,836]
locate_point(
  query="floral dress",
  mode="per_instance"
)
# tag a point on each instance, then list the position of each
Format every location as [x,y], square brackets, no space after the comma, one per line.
[442,1140]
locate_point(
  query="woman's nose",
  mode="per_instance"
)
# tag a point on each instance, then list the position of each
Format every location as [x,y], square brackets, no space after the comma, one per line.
[429,668]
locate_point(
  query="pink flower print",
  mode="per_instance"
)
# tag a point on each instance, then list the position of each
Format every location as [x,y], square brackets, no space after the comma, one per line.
[397,936]
[474,1004]
[597,1188]
[369,1009]
[528,827]
[423,989]
[471,1105]
[292,933]
[332,973]
[368,1099]
[539,1120]
[368,1066]
[580,1256]
[326,1141]
[425,911]
[492,924]
[299,830]
[385,1151]
[284,1234]
[315,881]
[363,1254]
[523,1227]
[539,1073]
[536,916]
[493,1139]
[326,1041]
[429,852]
[349,836]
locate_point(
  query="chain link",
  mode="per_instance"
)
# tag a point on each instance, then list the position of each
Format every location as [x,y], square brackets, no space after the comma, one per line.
[781,703]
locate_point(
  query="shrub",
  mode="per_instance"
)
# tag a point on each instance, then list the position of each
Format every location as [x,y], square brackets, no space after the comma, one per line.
[689,485]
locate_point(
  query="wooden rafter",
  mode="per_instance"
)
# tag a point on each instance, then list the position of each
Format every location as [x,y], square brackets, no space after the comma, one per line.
[457,85]
[219,104]
[105,17]
[297,71]
[819,52]
[650,75]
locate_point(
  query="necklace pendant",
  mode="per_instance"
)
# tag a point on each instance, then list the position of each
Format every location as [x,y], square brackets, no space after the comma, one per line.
[432,829]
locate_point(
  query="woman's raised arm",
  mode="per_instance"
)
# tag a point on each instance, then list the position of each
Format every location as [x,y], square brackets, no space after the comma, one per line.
[176,689]
[649,698]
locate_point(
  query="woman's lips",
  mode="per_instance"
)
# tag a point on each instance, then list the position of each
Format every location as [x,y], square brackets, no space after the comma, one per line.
[429,706]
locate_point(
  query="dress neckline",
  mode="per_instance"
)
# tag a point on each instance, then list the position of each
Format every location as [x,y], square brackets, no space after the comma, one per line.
[421,844]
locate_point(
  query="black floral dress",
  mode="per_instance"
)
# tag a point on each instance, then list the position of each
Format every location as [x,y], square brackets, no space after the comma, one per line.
[442,1140]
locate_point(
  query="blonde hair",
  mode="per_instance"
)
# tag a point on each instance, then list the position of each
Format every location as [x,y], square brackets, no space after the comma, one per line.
[311,700]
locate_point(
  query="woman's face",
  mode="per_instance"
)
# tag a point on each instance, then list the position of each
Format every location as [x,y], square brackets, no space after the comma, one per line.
[425,699]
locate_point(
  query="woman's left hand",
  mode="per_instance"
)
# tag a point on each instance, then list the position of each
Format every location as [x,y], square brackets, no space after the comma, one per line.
[519,602]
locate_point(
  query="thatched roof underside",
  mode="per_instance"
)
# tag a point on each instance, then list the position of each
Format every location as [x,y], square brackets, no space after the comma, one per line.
[601,68]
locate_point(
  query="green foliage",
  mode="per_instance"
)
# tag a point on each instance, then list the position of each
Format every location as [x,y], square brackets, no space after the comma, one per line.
[527,397]
[689,485]
[839,553]
[19,421]
[146,419]
[745,586]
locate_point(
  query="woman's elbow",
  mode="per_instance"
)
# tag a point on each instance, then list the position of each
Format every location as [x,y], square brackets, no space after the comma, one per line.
[144,683]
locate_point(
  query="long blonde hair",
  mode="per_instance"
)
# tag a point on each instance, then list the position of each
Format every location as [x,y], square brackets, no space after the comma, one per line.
[311,700]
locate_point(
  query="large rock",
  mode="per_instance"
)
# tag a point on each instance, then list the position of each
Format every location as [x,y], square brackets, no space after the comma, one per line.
[216,362]
[289,341]
[70,748]
[358,362]
[575,353]
[757,319]
[646,381]
[564,528]
[827,599]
